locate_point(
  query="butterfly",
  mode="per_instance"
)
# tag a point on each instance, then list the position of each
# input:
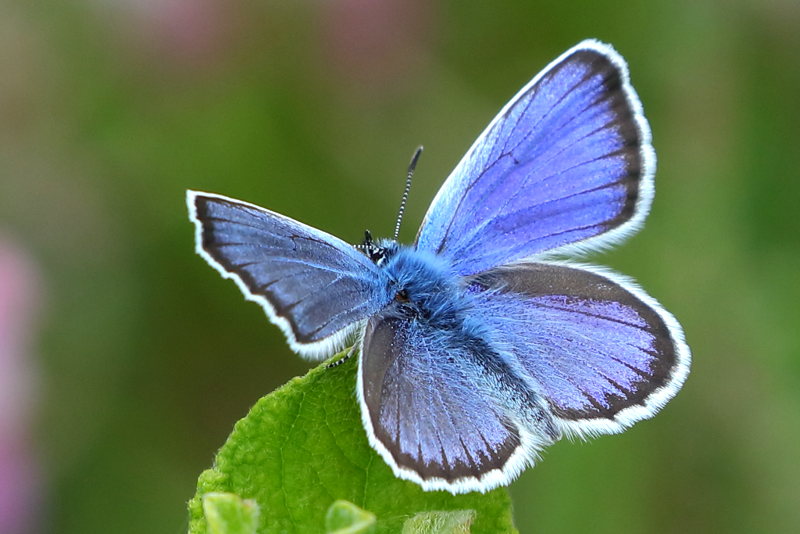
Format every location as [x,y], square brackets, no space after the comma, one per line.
[480,344]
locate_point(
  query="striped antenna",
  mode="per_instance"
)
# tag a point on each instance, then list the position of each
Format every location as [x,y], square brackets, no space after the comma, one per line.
[401,211]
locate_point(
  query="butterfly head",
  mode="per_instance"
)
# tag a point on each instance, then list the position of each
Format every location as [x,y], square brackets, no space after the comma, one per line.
[378,251]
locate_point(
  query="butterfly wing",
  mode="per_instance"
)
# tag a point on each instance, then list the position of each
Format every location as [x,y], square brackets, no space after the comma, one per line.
[601,351]
[315,287]
[443,411]
[566,165]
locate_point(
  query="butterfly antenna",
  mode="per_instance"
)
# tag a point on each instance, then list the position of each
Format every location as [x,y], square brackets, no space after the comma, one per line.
[401,211]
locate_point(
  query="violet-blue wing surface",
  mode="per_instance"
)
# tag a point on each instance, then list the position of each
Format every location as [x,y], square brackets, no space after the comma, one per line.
[602,352]
[567,162]
[443,409]
[313,285]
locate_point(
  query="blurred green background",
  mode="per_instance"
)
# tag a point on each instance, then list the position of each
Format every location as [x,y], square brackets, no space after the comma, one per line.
[132,359]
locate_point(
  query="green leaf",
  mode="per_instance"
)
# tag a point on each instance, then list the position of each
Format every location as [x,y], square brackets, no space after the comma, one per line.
[344,517]
[455,522]
[303,447]
[227,513]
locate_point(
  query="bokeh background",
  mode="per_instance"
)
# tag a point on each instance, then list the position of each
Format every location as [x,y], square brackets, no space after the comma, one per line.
[125,360]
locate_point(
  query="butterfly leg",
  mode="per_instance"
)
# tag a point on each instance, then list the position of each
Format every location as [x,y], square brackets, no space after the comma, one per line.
[343,359]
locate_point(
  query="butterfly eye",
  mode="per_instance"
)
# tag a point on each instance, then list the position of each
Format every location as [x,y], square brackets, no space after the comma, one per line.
[401,296]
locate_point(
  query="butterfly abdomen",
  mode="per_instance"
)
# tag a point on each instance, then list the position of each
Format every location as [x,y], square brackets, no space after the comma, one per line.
[430,293]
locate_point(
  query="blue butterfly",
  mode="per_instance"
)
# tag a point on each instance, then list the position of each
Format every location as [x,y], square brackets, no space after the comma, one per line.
[478,345]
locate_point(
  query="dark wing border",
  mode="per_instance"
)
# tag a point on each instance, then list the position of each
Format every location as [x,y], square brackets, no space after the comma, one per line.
[645,406]
[531,428]
[316,350]
[457,181]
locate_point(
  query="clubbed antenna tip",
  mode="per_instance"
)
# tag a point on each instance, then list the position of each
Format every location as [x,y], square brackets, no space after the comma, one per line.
[409,175]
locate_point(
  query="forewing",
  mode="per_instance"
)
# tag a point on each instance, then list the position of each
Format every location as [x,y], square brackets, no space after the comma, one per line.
[438,416]
[602,352]
[566,165]
[315,287]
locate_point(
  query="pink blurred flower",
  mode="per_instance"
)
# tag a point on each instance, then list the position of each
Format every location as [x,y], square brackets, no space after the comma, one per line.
[19,472]
[185,32]
[377,43]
